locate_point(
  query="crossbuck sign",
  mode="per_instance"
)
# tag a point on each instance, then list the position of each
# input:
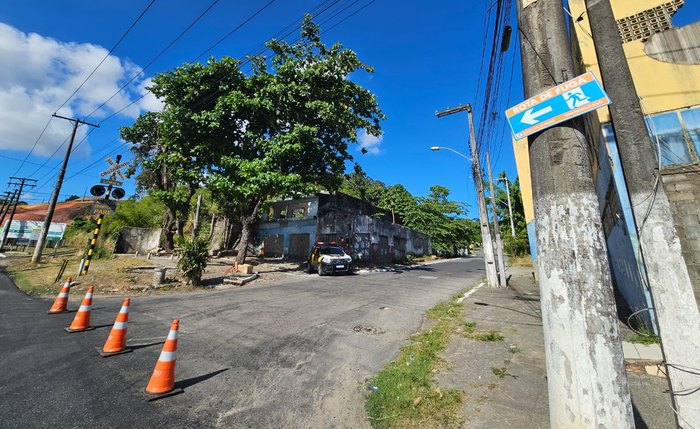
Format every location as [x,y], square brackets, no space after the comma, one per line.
[568,100]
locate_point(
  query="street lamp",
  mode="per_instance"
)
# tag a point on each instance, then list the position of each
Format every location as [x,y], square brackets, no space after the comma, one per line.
[510,209]
[489,262]
[437,148]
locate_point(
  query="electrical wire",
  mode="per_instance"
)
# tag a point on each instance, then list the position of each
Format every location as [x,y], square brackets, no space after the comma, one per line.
[133,24]
[154,59]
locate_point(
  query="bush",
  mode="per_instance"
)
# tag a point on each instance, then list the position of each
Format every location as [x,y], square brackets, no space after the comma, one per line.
[193,259]
[518,245]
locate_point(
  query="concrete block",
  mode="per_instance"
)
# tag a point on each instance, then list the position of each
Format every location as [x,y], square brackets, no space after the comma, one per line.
[655,370]
[245,268]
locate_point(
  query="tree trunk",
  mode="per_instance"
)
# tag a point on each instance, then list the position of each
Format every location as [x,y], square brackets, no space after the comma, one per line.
[168,229]
[246,222]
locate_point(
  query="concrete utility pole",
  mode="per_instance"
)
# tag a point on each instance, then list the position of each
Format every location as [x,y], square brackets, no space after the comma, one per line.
[671,290]
[586,377]
[21,182]
[496,226]
[510,207]
[41,242]
[491,276]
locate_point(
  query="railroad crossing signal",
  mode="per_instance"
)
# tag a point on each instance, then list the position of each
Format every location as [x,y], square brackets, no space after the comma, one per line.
[115,169]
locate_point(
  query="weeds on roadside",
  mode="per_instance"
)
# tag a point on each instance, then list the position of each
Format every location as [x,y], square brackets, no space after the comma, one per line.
[404,394]
[470,331]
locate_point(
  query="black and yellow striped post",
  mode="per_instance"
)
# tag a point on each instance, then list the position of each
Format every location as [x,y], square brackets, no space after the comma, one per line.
[91,249]
[96,233]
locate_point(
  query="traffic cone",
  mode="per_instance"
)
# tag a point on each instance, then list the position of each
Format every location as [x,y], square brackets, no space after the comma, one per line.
[116,342]
[81,322]
[162,381]
[60,305]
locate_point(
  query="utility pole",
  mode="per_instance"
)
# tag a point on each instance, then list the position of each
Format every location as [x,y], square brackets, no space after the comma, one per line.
[586,378]
[6,208]
[21,182]
[496,226]
[667,273]
[56,190]
[510,208]
[487,244]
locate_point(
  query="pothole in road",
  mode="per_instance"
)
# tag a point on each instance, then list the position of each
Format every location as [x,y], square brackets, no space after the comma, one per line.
[368,329]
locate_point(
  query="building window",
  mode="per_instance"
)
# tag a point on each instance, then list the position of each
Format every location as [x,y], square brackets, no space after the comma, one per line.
[678,135]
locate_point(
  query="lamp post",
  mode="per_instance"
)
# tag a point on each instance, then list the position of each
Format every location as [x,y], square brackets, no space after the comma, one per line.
[491,275]
[510,208]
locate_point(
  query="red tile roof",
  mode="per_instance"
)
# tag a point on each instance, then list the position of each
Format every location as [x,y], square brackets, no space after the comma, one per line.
[64,213]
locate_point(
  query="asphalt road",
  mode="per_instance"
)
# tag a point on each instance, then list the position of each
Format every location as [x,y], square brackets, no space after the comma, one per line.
[278,355]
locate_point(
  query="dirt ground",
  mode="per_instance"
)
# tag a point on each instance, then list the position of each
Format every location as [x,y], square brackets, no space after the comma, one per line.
[130,274]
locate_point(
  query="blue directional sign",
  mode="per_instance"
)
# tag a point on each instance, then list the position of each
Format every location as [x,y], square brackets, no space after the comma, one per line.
[568,100]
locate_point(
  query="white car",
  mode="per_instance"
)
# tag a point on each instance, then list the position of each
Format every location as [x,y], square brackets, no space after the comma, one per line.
[328,258]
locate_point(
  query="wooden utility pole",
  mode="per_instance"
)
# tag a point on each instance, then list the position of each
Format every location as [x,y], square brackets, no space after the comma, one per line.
[487,244]
[586,377]
[21,182]
[671,290]
[6,204]
[41,242]
[496,226]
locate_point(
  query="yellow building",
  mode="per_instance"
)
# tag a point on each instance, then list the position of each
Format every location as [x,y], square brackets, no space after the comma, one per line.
[665,64]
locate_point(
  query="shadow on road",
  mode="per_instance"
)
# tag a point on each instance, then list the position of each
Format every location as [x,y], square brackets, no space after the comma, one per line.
[184,384]
[141,346]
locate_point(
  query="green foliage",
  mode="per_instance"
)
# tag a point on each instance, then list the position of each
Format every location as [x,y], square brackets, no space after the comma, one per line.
[72,198]
[146,212]
[193,259]
[518,245]
[282,130]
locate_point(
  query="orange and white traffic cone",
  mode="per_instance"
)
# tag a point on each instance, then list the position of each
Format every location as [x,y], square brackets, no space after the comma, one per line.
[81,321]
[60,305]
[116,342]
[162,381]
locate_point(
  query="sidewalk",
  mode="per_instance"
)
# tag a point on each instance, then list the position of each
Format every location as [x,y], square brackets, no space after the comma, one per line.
[505,381]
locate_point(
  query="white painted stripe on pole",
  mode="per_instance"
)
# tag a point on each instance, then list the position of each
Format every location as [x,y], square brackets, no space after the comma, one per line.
[172,335]
[62,295]
[88,295]
[120,325]
[124,309]
[167,356]
[85,308]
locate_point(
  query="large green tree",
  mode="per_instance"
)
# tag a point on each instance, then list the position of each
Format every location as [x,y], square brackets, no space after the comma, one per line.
[281,130]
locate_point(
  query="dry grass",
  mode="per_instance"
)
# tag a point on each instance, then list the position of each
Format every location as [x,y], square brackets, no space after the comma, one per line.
[108,275]
[520,261]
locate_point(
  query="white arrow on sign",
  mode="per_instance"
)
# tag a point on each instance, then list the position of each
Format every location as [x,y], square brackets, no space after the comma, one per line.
[530,117]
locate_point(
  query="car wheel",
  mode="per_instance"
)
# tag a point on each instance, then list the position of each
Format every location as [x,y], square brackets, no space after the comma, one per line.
[320,270]
[309,268]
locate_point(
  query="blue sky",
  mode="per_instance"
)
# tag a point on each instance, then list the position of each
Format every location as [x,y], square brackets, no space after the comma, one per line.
[427,57]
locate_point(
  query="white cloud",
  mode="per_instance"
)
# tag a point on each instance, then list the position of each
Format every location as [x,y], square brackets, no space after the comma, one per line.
[369,142]
[38,73]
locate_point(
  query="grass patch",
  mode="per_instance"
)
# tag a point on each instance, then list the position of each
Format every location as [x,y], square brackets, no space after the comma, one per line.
[520,261]
[644,336]
[502,372]
[405,395]
[470,331]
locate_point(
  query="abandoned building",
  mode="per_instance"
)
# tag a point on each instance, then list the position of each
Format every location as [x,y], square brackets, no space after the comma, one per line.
[291,227]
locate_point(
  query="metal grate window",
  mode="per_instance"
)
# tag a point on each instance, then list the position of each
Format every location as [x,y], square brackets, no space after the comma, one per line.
[642,25]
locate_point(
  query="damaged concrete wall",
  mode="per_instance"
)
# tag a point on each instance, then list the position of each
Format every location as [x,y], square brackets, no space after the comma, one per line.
[142,240]
[286,237]
[367,238]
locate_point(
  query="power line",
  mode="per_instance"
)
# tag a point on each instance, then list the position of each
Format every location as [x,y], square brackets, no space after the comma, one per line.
[150,63]
[83,83]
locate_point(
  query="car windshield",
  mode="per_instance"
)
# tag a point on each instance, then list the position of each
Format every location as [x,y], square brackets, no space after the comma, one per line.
[331,250]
